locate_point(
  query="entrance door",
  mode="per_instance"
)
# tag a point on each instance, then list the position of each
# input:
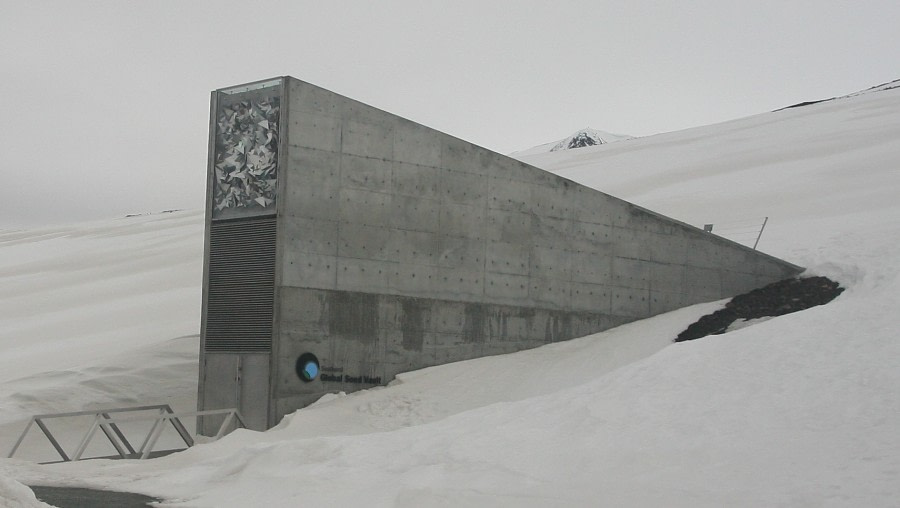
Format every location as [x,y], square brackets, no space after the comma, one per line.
[235,381]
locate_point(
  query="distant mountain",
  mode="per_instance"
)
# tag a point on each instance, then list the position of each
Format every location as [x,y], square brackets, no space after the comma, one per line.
[582,138]
[878,88]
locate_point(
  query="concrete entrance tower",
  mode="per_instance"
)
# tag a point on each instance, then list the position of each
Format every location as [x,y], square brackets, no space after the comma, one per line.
[345,245]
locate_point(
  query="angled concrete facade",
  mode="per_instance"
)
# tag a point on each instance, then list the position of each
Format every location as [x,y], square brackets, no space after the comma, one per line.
[397,247]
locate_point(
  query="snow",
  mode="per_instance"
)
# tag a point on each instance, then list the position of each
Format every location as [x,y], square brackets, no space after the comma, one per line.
[15,495]
[798,410]
[744,323]
[93,315]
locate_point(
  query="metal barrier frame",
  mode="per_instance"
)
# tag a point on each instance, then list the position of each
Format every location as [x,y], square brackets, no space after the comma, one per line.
[108,424]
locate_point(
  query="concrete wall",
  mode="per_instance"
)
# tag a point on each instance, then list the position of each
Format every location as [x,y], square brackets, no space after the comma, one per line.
[401,247]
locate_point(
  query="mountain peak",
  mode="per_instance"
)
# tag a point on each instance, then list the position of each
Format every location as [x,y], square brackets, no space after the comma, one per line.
[579,139]
[586,137]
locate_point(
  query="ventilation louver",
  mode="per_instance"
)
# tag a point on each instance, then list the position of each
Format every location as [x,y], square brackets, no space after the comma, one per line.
[240,299]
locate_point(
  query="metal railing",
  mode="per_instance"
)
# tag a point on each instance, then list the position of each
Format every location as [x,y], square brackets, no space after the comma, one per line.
[109,425]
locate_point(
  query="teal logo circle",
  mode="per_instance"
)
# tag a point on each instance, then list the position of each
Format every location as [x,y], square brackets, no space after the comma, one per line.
[307,367]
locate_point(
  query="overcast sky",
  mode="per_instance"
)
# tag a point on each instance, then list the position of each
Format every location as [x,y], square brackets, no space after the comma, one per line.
[105,105]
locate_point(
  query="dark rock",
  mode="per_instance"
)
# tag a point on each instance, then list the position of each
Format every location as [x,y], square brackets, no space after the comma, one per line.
[776,299]
[583,139]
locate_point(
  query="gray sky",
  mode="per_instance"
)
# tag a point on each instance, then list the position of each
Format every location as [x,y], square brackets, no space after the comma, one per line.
[105,105]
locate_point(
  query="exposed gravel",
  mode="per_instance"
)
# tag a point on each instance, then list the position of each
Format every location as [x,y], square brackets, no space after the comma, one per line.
[776,299]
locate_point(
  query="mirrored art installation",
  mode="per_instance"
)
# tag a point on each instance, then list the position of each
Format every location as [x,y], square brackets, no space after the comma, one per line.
[246,157]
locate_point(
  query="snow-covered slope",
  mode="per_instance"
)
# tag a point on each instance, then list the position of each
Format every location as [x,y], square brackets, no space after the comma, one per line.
[799,410]
[98,315]
[890,85]
[580,139]
[815,164]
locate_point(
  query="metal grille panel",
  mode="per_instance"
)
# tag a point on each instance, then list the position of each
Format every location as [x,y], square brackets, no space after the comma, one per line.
[241,290]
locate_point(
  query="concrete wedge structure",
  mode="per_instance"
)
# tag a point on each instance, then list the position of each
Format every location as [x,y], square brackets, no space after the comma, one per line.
[345,245]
